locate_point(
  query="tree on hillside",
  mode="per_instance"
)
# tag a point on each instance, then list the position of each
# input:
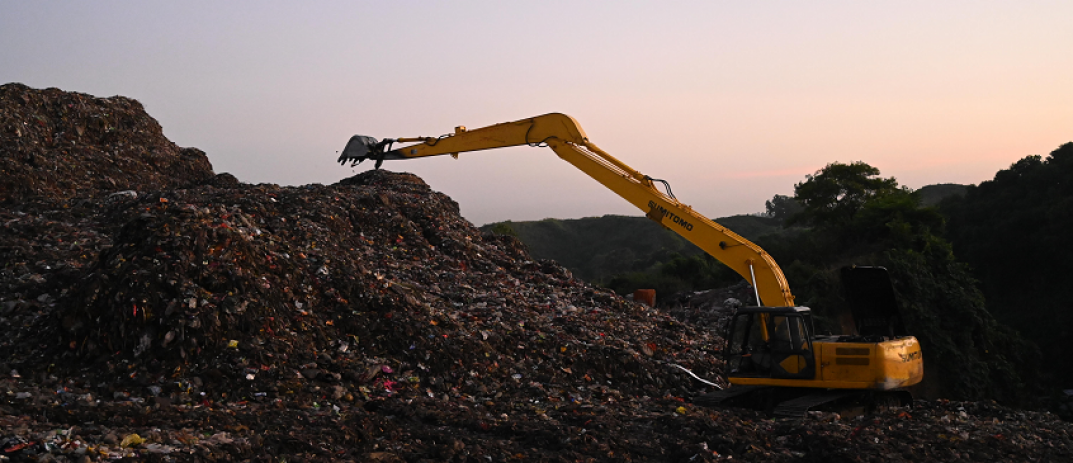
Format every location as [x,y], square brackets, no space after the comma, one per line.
[1015,232]
[679,273]
[835,194]
[503,228]
[782,207]
[853,206]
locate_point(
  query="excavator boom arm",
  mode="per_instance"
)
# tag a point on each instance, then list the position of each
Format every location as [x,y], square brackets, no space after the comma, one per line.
[564,136]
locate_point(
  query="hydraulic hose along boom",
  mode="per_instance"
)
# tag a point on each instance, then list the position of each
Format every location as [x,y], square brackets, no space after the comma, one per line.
[564,136]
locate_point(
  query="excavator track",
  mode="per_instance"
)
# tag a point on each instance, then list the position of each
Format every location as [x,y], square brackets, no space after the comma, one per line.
[726,396]
[799,407]
[795,403]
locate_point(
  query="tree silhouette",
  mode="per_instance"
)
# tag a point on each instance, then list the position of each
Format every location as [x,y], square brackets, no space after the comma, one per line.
[1015,232]
[834,194]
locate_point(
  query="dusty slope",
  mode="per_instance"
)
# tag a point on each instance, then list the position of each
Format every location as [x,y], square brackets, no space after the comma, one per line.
[368,321]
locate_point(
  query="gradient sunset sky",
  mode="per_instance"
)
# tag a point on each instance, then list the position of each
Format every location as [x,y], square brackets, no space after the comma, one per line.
[732,102]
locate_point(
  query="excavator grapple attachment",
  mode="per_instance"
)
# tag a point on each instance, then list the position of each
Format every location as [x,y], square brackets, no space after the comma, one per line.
[362,147]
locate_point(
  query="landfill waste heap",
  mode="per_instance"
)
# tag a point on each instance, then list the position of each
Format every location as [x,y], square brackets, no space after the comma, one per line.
[153,309]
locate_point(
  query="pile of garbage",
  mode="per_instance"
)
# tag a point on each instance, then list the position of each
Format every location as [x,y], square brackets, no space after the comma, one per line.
[254,286]
[64,145]
[208,319]
[60,421]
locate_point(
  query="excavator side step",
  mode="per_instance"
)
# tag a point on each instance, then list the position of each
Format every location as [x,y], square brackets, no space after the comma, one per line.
[797,408]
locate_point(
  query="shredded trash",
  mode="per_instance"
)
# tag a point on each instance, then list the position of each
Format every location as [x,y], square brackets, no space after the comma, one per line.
[154,310]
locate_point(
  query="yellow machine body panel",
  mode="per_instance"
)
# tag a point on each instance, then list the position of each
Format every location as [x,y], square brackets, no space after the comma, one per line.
[850,361]
[880,366]
[901,361]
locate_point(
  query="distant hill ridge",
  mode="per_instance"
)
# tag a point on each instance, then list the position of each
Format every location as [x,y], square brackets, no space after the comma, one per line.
[931,195]
[597,248]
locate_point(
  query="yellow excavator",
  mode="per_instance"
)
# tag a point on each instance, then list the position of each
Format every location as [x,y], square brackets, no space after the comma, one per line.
[772,355]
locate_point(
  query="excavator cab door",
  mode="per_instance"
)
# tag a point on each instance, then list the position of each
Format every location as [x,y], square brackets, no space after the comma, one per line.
[771,342]
[791,347]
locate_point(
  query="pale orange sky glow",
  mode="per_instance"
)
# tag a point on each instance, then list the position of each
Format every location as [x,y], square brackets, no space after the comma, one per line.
[731,102]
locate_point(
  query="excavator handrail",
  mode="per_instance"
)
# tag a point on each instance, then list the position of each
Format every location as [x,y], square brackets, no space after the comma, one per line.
[566,138]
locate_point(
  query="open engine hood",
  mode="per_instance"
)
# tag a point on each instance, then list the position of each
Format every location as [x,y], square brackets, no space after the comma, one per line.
[871,298]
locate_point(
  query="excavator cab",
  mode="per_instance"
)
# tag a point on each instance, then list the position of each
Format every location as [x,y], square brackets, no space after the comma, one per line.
[771,342]
[777,346]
